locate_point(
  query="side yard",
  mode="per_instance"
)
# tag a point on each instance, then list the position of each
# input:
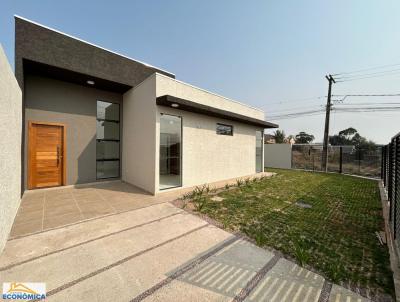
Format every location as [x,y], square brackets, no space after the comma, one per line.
[327,222]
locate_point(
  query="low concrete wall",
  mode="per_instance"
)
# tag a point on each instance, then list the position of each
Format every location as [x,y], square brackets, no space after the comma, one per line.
[10,148]
[278,156]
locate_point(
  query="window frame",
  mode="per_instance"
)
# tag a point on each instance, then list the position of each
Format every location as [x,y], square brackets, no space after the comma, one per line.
[262,151]
[181,153]
[110,140]
[225,125]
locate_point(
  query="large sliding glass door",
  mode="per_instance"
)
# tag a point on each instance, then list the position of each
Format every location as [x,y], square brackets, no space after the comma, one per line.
[259,151]
[170,151]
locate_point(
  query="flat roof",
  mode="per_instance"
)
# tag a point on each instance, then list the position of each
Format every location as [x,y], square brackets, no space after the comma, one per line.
[191,106]
[92,44]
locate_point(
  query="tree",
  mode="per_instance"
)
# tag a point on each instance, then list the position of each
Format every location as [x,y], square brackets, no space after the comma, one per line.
[279,136]
[348,133]
[290,139]
[350,136]
[361,142]
[343,138]
[304,138]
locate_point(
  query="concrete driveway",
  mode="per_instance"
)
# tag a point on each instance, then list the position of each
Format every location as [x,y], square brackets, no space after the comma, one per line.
[158,253]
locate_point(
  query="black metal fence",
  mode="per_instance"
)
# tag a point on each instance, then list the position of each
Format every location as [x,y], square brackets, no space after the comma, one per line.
[391,181]
[341,159]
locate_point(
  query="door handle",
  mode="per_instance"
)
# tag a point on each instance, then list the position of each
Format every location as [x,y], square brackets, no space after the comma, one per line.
[58,155]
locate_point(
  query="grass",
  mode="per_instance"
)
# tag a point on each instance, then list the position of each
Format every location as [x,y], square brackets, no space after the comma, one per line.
[336,236]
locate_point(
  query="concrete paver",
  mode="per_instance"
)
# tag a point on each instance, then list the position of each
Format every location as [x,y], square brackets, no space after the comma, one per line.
[286,281]
[68,265]
[125,282]
[220,278]
[153,253]
[340,294]
[22,249]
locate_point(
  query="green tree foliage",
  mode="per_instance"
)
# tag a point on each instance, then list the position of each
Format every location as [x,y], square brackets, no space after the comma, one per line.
[304,138]
[279,136]
[350,136]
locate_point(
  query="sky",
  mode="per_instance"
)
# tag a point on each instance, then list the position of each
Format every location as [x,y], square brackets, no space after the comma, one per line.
[272,55]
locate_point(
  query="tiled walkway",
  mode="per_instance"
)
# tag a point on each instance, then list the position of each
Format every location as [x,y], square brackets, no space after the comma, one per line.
[46,209]
[158,253]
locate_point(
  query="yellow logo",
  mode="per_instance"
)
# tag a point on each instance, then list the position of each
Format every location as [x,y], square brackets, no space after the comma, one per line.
[24,291]
[21,288]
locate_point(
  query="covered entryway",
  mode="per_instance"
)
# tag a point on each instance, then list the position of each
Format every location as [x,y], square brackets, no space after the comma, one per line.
[46,155]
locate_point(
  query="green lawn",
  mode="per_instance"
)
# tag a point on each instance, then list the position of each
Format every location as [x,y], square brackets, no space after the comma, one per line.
[336,236]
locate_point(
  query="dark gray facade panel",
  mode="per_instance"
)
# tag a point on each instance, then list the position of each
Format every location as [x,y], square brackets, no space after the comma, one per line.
[39,44]
[49,100]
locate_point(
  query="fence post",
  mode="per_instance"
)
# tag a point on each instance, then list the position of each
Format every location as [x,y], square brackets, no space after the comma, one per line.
[341,160]
[383,164]
[394,198]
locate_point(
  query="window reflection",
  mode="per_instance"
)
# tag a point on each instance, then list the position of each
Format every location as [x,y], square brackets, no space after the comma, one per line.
[170,151]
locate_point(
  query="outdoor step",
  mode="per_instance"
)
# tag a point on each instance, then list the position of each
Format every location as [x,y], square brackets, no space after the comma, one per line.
[25,248]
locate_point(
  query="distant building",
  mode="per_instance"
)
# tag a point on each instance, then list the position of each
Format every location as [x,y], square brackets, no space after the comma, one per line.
[269,139]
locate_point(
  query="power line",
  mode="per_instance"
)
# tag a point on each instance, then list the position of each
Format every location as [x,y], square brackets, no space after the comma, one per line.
[363,104]
[368,77]
[348,110]
[392,94]
[294,108]
[366,69]
[362,109]
[295,114]
[297,100]
[369,74]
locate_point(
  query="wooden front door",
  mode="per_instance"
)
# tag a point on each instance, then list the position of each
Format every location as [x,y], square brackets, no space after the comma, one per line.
[46,155]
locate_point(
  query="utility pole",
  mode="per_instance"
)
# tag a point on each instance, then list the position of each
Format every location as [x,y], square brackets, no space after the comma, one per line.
[327,118]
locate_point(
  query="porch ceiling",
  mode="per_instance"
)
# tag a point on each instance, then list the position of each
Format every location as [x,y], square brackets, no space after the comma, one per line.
[36,68]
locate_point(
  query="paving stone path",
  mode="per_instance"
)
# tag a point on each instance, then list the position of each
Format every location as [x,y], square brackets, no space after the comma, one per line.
[158,253]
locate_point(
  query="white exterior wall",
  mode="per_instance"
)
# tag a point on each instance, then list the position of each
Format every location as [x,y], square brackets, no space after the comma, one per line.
[167,85]
[206,156]
[10,148]
[138,136]
[278,156]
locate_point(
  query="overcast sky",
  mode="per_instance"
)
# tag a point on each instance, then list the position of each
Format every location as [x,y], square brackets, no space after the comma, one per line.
[270,54]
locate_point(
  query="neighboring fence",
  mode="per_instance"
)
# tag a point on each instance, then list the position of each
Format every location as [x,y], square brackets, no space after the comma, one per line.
[341,159]
[391,181]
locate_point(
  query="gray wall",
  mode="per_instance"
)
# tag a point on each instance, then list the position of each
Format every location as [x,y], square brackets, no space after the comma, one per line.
[10,148]
[278,156]
[48,100]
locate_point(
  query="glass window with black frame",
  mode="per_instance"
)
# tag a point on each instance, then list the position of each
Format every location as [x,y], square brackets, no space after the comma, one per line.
[107,140]
[223,129]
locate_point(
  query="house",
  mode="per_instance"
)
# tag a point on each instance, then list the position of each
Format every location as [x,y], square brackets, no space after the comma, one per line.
[269,139]
[90,114]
